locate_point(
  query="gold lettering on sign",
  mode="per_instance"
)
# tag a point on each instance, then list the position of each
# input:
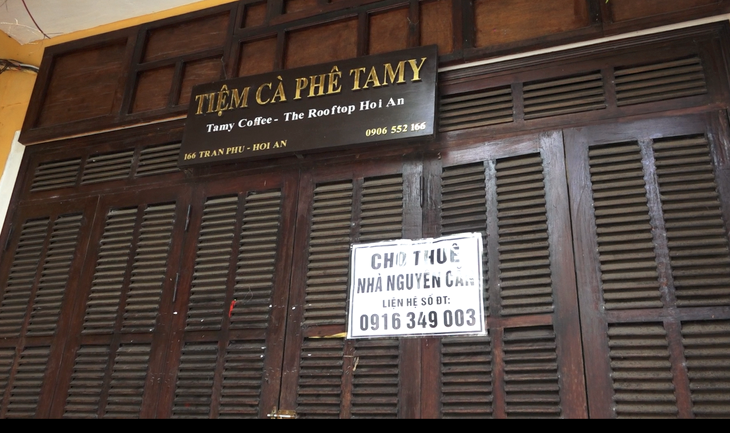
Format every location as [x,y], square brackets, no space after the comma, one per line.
[390,75]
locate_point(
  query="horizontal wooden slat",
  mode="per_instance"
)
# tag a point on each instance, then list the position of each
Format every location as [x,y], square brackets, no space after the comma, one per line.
[707,350]
[128,380]
[87,382]
[149,268]
[54,276]
[242,379]
[55,175]
[194,388]
[27,383]
[466,378]
[696,235]
[641,371]
[617,181]
[154,160]
[564,96]
[17,293]
[210,274]
[523,237]
[660,81]
[531,380]
[329,253]
[107,167]
[256,260]
[375,380]
[320,378]
[475,109]
[464,208]
[7,358]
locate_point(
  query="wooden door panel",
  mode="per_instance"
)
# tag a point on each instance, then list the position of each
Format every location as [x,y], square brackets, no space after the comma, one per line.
[514,192]
[650,221]
[38,277]
[324,375]
[121,314]
[226,348]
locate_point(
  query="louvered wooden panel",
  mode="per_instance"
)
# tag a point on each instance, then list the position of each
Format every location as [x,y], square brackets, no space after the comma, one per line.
[466,377]
[111,268]
[464,208]
[243,372]
[256,260]
[564,96]
[106,167]
[128,378]
[531,380]
[697,240]
[329,254]
[56,174]
[707,350]
[660,81]
[55,274]
[641,371]
[7,357]
[381,216]
[375,379]
[526,284]
[149,268]
[625,244]
[22,276]
[27,382]
[208,293]
[194,388]
[156,160]
[475,109]
[87,381]
[320,378]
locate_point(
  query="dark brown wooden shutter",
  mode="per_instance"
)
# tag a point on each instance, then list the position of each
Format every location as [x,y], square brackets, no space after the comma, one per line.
[226,357]
[466,378]
[659,81]
[475,109]
[707,351]
[325,376]
[56,174]
[42,259]
[513,192]
[651,233]
[564,95]
[122,307]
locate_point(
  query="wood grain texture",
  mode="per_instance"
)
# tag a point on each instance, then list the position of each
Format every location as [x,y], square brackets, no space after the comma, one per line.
[388,31]
[153,89]
[254,15]
[83,84]
[503,21]
[257,57]
[327,43]
[198,72]
[186,37]
[437,25]
[292,6]
[623,10]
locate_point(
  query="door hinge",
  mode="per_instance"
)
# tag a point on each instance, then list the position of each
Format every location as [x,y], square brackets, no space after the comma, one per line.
[187,219]
[174,293]
[282,414]
[423,190]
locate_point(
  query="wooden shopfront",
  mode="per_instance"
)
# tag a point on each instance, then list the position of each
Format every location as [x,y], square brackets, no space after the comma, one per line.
[598,176]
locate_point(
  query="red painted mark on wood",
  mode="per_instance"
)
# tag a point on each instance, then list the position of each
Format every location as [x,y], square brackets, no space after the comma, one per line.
[230,310]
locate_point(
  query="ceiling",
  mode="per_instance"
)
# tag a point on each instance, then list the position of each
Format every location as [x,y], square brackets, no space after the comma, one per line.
[58,17]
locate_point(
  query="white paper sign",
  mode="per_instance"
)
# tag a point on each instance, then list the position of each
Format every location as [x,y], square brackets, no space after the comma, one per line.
[417,288]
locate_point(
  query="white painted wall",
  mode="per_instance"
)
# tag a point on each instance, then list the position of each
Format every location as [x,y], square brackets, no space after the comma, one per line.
[10,175]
